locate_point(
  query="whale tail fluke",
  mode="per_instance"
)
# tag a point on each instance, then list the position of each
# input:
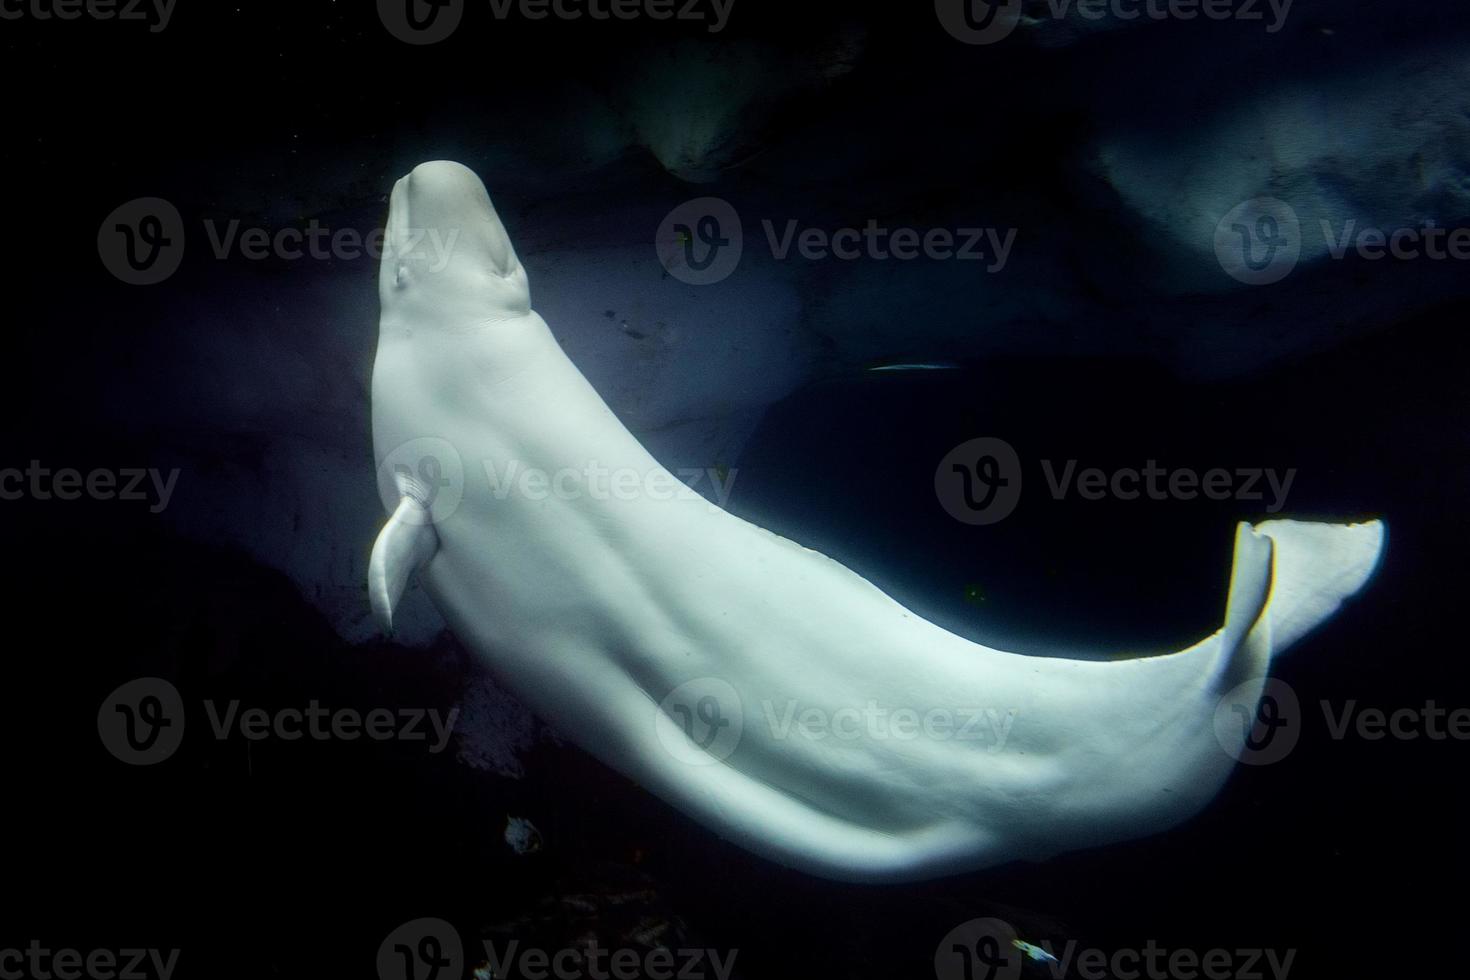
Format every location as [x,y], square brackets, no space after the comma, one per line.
[1314,569]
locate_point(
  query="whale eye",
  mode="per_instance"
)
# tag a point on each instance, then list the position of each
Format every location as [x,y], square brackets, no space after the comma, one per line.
[400,277]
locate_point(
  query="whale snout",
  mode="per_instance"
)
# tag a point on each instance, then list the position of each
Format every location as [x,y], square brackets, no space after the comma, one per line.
[445,239]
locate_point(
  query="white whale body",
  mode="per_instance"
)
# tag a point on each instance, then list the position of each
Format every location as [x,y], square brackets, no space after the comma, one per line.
[764,689]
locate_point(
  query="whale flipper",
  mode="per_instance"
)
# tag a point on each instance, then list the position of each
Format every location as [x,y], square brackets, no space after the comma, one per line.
[406,543]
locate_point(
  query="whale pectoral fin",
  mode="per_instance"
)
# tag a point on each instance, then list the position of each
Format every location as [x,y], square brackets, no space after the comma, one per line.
[406,543]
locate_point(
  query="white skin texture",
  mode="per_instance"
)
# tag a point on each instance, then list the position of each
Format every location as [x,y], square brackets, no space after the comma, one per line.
[597,609]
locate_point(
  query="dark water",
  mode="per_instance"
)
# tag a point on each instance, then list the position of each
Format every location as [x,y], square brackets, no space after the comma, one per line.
[272,859]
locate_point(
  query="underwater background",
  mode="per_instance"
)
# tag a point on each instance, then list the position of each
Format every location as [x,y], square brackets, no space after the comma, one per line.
[1103,162]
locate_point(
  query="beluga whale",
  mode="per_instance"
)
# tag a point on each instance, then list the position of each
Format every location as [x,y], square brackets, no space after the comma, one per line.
[766,690]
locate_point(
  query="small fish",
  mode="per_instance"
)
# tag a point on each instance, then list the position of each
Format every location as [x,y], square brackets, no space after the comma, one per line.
[1033,952]
[914,367]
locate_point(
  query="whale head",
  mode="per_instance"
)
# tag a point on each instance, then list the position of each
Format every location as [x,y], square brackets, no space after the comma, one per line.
[447,260]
